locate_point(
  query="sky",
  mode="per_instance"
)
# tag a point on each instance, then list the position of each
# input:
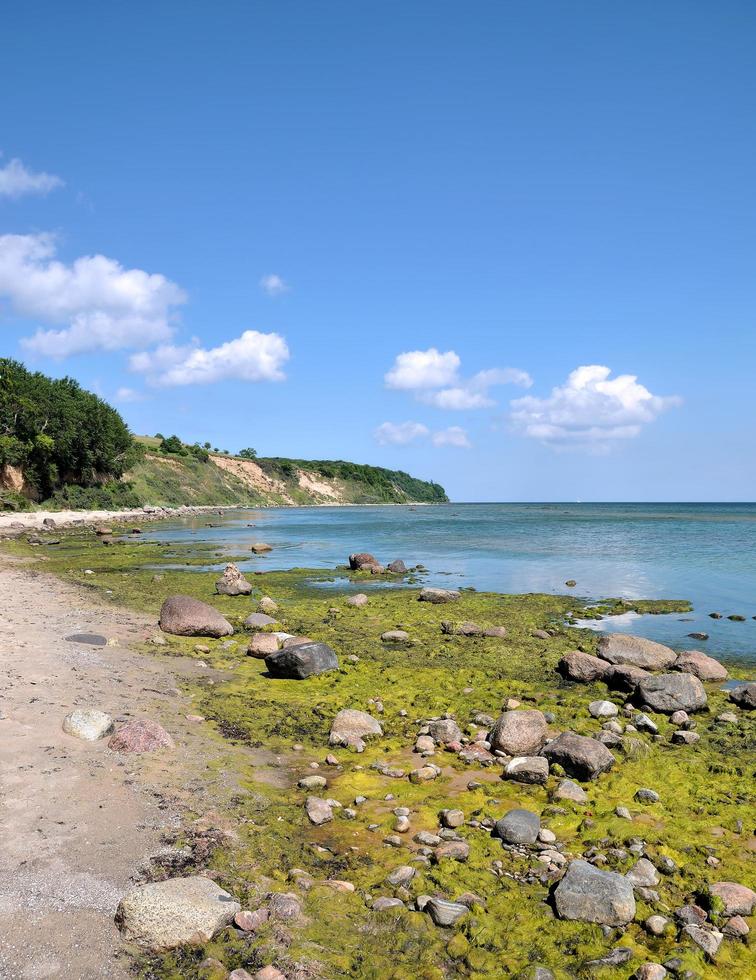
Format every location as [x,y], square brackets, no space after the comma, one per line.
[506,246]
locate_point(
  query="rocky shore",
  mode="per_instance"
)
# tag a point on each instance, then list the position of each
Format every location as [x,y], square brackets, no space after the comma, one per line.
[14,523]
[465,784]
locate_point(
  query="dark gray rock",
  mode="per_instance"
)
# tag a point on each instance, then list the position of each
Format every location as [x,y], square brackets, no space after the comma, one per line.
[579,756]
[397,567]
[668,693]
[445,913]
[304,660]
[519,827]
[587,894]
[744,696]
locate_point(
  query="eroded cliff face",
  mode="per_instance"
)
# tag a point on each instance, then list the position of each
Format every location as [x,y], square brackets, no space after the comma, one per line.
[12,478]
[316,487]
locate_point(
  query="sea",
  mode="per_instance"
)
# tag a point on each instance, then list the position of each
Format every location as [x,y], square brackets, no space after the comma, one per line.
[703,552]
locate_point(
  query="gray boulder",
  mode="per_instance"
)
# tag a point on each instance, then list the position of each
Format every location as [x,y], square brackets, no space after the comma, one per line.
[702,666]
[519,827]
[363,561]
[232,582]
[182,615]
[304,660]
[582,667]
[744,696]
[519,732]
[587,894]
[438,596]
[357,600]
[397,567]
[351,727]
[579,756]
[625,677]
[668,693]
[444,730]
[637,651]
[88,724]
[176,912]
[258,620]
[527,769]
[444,913]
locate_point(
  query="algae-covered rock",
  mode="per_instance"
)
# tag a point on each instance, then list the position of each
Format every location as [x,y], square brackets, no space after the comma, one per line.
[579,756]
[302,661]
[668,693]
[182,615]
[588,894]
[735,899]
[351,727]
[438,596]
[636,651]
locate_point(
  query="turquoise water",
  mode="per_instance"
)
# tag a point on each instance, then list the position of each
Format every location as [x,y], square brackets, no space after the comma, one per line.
[702,552]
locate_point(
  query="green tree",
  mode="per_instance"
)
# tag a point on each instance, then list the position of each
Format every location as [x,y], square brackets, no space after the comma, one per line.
[248,453]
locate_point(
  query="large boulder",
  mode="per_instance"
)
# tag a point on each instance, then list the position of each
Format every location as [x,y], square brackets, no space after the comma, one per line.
[362,560]
[736,899]
[519,827]
[88,724]
[579,756]
[177,912]
[351,727]
[438,596]
[744,696]
[619,648]
[668,693]
[624,677]
[140,735]
[184,616]
[582,667]
[397,567]
[519,732]
[587,894]
[527,769]
[232,582]
[444,730]
[301,661]
[699,664]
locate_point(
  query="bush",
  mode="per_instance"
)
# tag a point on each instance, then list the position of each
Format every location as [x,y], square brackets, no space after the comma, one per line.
[248,453]
[107,496]
[173,445]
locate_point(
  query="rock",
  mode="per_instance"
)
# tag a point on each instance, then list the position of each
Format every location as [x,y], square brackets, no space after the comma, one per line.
[384,902]
[461,629]
[644,795]
[570,583]
[588,894]
[679,717]
[623,813]
[394,636]
[736,899]
[650,971]
[744,696]
[294,641]
[351,727]
[616,957]
[427,839]
[656,924]
[319,811]
[360,559]
[266,973]
[88,724]
[177,912]
[259,620]
[452,850]
[140,735]
[477,753]
[423,775]
[262,644]
[232,582]
[183,616]
[312,782]
[267,605]
[603,709]
[251,921]
[444,730]
[357,600]
[625,677]
[401,877]
[49,522]
[527,769]
[582,667]
[302,661]
[643,874]
[519,827]
[438,596]
[700,665]
[709,940]
[579,756]
[635,651]
[736,927]
[260,547]
[685,738]
[567,790]
[668,693]
[498,632]
[540,635]
[698,636]
[445,913]
[518,733]
[645,724]
[397,567]
[102,531]
[452,818]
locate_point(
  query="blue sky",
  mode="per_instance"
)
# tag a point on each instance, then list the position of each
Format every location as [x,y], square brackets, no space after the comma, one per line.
[234,219]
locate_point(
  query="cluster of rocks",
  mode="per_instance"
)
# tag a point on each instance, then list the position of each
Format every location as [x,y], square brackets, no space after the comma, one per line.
[363,561]
[133,738]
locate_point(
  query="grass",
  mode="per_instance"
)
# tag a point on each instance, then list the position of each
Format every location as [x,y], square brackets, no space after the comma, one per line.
[705,789]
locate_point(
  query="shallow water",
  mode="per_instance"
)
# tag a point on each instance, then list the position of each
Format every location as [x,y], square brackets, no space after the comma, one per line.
[702,552]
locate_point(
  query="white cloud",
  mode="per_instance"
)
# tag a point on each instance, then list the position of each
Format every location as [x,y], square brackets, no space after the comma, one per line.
[400,433]
[16,181]
[125,395]
[423,369]
[253,356]
[590,411]
[103,305]
[273,285]
[455,435]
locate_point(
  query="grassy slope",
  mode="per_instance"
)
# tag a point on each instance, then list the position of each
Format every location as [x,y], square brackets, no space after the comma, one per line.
[705,788]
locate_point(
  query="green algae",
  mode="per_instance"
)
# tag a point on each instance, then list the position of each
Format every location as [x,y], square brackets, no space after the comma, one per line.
[705,789]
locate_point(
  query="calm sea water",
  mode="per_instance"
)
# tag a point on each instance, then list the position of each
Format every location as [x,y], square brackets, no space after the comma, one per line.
[702,552]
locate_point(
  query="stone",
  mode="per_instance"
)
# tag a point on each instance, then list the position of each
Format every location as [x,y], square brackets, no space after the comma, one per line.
[703,667]
[444,913]
[401,877]
[635,651]
[262,644]
[579,756]
[656,924]
[177,912]
[444,730]
[567,790]
[650,971]
[251,921]
[461,629]
[527,769]
[266,973]
[736,899]
[397,567]
[351,727]
[88,724]
[258,620]
[744,696]
[643,874]
[318,811]
[668,693]
[625,677]
[312,782]
[582,667]
[438,596]
[103,531]
[232,582]
[679,717]
[267,605]
[182,615]
[588,894]
[427,839]
[285,906]
[294,641]
[452,818]
[519,827]
[736,927]
[140,735]
[357,600]
[615,957]
[260,547]
[643,723]
[395,636]
[709,940]
[302,661]
[453,850]
[424,744]
[358,560]
[685,738]
[602,709]
[385,902]
[518,733]
[645,795]
[476,752]
[423,775]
